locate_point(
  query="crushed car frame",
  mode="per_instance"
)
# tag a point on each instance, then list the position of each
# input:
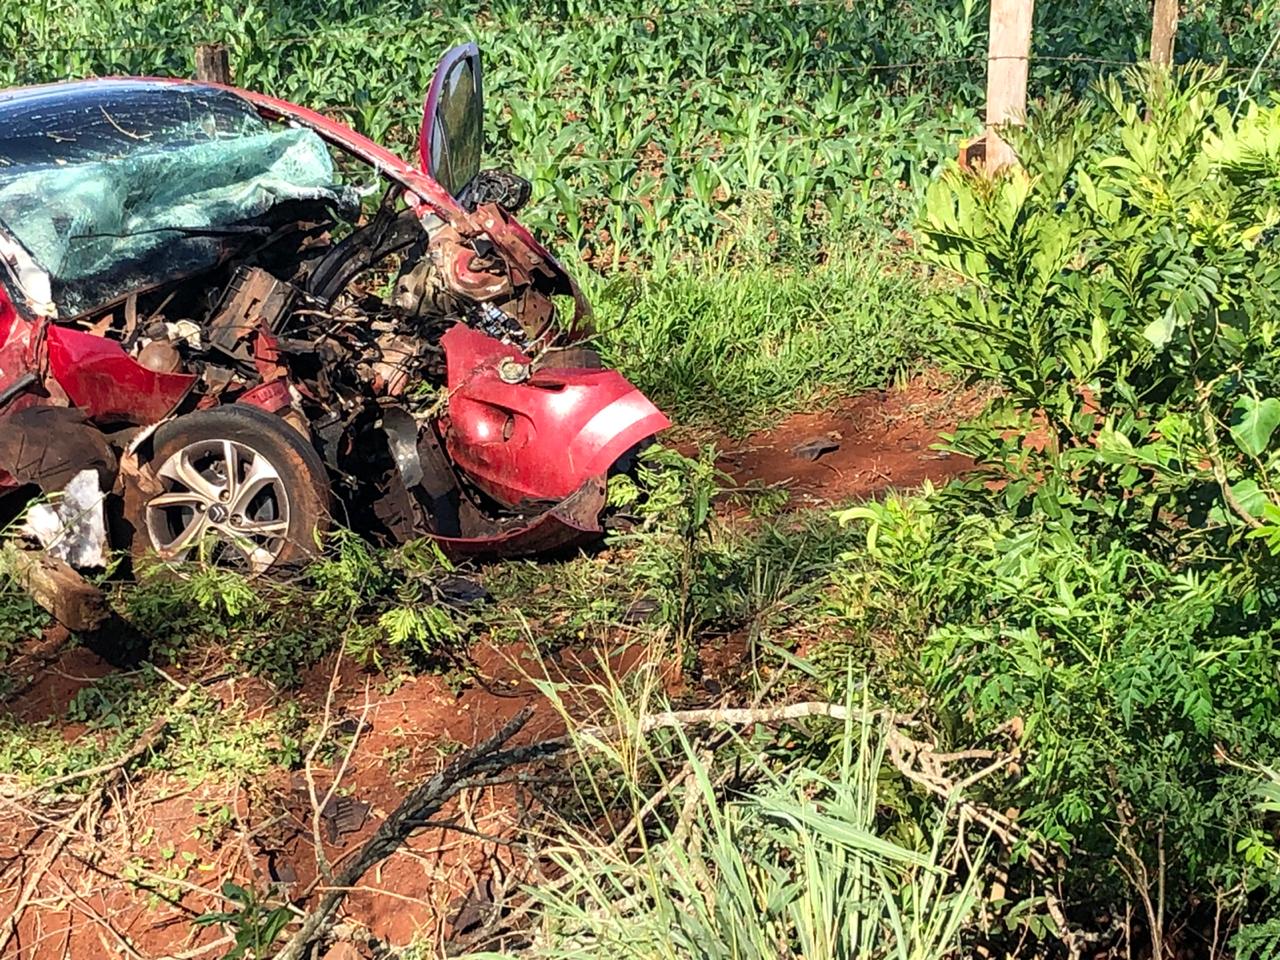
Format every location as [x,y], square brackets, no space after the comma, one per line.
[204,302]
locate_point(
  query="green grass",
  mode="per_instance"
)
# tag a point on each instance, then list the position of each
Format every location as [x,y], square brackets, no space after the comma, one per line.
[735,346]
[207,739]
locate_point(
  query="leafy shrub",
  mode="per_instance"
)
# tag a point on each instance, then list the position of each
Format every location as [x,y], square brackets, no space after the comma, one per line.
[1123,290]
[1132,686]
[1103,584]
[21,618]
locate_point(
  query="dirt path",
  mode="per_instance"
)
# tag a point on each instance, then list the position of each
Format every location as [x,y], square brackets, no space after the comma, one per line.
[880,440]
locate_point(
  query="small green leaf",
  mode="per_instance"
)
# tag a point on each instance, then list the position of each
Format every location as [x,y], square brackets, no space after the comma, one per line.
[1250,496]
[1160,330]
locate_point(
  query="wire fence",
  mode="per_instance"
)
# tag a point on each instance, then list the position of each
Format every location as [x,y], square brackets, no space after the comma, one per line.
[101,50]
[106,53]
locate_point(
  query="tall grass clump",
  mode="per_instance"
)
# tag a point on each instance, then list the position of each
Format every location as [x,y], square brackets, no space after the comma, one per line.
[732,344]
[748,849]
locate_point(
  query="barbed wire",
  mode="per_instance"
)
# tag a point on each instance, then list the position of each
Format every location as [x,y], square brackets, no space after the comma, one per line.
[816,71]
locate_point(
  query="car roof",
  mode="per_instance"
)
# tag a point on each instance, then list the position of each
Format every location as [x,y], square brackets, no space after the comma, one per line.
[68,122]
[26,103]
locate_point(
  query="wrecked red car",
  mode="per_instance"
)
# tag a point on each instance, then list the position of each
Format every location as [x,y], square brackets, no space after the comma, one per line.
[247,319]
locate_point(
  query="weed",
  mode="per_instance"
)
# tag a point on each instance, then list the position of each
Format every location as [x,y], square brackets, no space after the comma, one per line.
[20,617]
[755,853]
[207,740]
[255,924]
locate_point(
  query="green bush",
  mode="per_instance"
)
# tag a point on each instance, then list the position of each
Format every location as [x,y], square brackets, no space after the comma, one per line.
[1123,292]
[1135,689]
[1105,585]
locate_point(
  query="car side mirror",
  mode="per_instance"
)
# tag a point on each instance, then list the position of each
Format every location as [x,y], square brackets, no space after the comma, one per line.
[451,139]
[502,187]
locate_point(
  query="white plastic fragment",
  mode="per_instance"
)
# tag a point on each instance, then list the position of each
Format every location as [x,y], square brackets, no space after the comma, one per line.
[72,527]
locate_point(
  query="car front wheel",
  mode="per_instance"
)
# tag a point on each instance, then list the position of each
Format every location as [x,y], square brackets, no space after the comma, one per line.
[238,488]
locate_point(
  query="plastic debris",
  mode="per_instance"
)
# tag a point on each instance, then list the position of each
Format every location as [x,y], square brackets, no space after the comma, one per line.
[72,528]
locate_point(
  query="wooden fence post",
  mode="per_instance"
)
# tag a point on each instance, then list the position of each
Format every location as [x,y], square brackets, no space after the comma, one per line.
[213,63]
[1008,50]
[1164,27]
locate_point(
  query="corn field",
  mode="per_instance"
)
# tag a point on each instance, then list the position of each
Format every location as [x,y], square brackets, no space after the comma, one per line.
[650,128]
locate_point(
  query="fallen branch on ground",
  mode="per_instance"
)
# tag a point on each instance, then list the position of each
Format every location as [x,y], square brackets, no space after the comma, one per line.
[54,584]
[418,807]
[474,767]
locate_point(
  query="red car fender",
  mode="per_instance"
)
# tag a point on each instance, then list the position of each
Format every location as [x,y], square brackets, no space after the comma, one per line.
[107,383]
[541,438]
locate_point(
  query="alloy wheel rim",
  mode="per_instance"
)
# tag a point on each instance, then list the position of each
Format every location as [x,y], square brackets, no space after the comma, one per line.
[223,497]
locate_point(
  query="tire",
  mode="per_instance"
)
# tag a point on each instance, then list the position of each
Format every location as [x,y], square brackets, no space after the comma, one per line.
[267,519]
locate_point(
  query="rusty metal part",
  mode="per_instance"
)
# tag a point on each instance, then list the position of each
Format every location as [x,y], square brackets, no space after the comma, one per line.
[535,313]
[254,301]
[421,291]
[456,259]
[342,816]
[160,356]
[391,371]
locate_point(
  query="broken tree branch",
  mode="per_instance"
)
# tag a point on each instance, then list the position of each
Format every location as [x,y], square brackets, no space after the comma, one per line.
[418,807]
[71,599]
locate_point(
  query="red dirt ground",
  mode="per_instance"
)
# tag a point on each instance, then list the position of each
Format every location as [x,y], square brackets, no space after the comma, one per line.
[885,441]
[160,828]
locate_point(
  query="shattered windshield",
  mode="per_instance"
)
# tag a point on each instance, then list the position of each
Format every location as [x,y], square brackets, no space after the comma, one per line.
[115,186]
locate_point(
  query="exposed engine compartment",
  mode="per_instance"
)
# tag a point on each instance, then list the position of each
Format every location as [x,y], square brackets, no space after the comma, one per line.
[343,340]
[188,276]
